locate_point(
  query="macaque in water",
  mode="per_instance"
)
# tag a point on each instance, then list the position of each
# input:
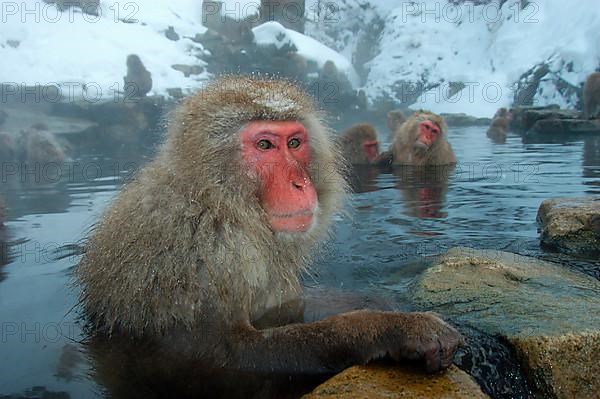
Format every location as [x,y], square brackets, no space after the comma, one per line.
[591,96]
[420,141]
[500,125]
[213,234]
[359,144]
[35,145]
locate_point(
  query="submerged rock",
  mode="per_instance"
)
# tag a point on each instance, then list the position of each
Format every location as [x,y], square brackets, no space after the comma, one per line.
[566,126]
[461,120]
[547,313]
[571,225]
[378,382]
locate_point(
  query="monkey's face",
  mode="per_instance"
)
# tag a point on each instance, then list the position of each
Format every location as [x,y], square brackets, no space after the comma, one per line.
[277,154]
[428,133]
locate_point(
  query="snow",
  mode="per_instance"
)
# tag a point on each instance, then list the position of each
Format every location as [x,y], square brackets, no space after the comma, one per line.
[425,42]
[312,50]
[430,44]
[71,49]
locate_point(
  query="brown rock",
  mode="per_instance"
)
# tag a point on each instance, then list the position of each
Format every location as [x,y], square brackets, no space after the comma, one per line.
[571,225]
[549,314]
[550,362]
[377,381]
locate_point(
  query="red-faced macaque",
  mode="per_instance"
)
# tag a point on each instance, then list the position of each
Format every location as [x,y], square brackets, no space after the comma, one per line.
[213,234]
[395,119]
[359,144]
[500,125]
[591,96]
[420,141]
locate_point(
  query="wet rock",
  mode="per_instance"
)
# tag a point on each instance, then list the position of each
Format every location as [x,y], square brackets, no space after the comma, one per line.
[567,126]
[136,114]
[549,314]
[378,381]
[530,117]
[571,225]
[171,34]
[461,120]
[518,114]
[188,70]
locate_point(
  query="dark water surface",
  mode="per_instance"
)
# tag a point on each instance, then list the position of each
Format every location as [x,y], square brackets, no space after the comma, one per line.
[488,201]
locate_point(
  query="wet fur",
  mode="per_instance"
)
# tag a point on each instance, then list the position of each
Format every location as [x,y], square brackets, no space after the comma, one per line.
[188,234]
[351,143]
[591,96]
[402,148]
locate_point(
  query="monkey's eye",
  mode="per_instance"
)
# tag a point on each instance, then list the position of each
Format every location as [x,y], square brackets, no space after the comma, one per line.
[294,143]
[264,145]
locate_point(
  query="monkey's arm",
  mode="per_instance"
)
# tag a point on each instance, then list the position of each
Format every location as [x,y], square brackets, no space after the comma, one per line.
[385,159]
[332,344]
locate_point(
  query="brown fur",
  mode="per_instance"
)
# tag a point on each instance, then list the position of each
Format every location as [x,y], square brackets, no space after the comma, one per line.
[138,81]
[38,146]
[395,119]
[351,143]
[591,96]
[500,125]
[402,148]
[185,257]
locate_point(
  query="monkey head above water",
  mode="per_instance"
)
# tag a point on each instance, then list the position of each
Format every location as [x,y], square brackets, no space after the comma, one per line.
[421,141]
[359,144]
[214,232]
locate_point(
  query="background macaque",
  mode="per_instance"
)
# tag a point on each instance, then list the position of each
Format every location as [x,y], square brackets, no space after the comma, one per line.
[500,125]
[212,235]
[395,119]
[591,96]
[138,81]
[420,141]
[38,146]
[359,144]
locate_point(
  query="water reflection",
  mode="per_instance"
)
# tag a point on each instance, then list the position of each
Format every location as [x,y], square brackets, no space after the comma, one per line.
[396,220]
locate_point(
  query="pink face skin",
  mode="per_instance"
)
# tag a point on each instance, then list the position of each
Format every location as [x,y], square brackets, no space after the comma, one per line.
[429,133]
[278,153]
[370,148]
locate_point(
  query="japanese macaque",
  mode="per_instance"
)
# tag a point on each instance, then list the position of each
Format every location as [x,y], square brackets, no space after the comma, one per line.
[7,148]
[500,125]
[213,233]
[38,146]
[138,81]
[359,144]
[395,119]
[420,141]
[591,96]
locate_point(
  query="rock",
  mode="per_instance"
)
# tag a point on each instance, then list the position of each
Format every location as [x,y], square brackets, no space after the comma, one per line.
[571,225]
[547,313]
[566,126]
[171,34]
[377,381]
[87,6]
[519,112]
[188,70]
[530,117]
[461,120]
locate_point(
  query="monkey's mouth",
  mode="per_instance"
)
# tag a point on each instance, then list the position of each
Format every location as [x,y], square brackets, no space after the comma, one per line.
[292,222]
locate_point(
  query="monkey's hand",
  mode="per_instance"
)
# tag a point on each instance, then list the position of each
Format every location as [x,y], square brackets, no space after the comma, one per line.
[424,336]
